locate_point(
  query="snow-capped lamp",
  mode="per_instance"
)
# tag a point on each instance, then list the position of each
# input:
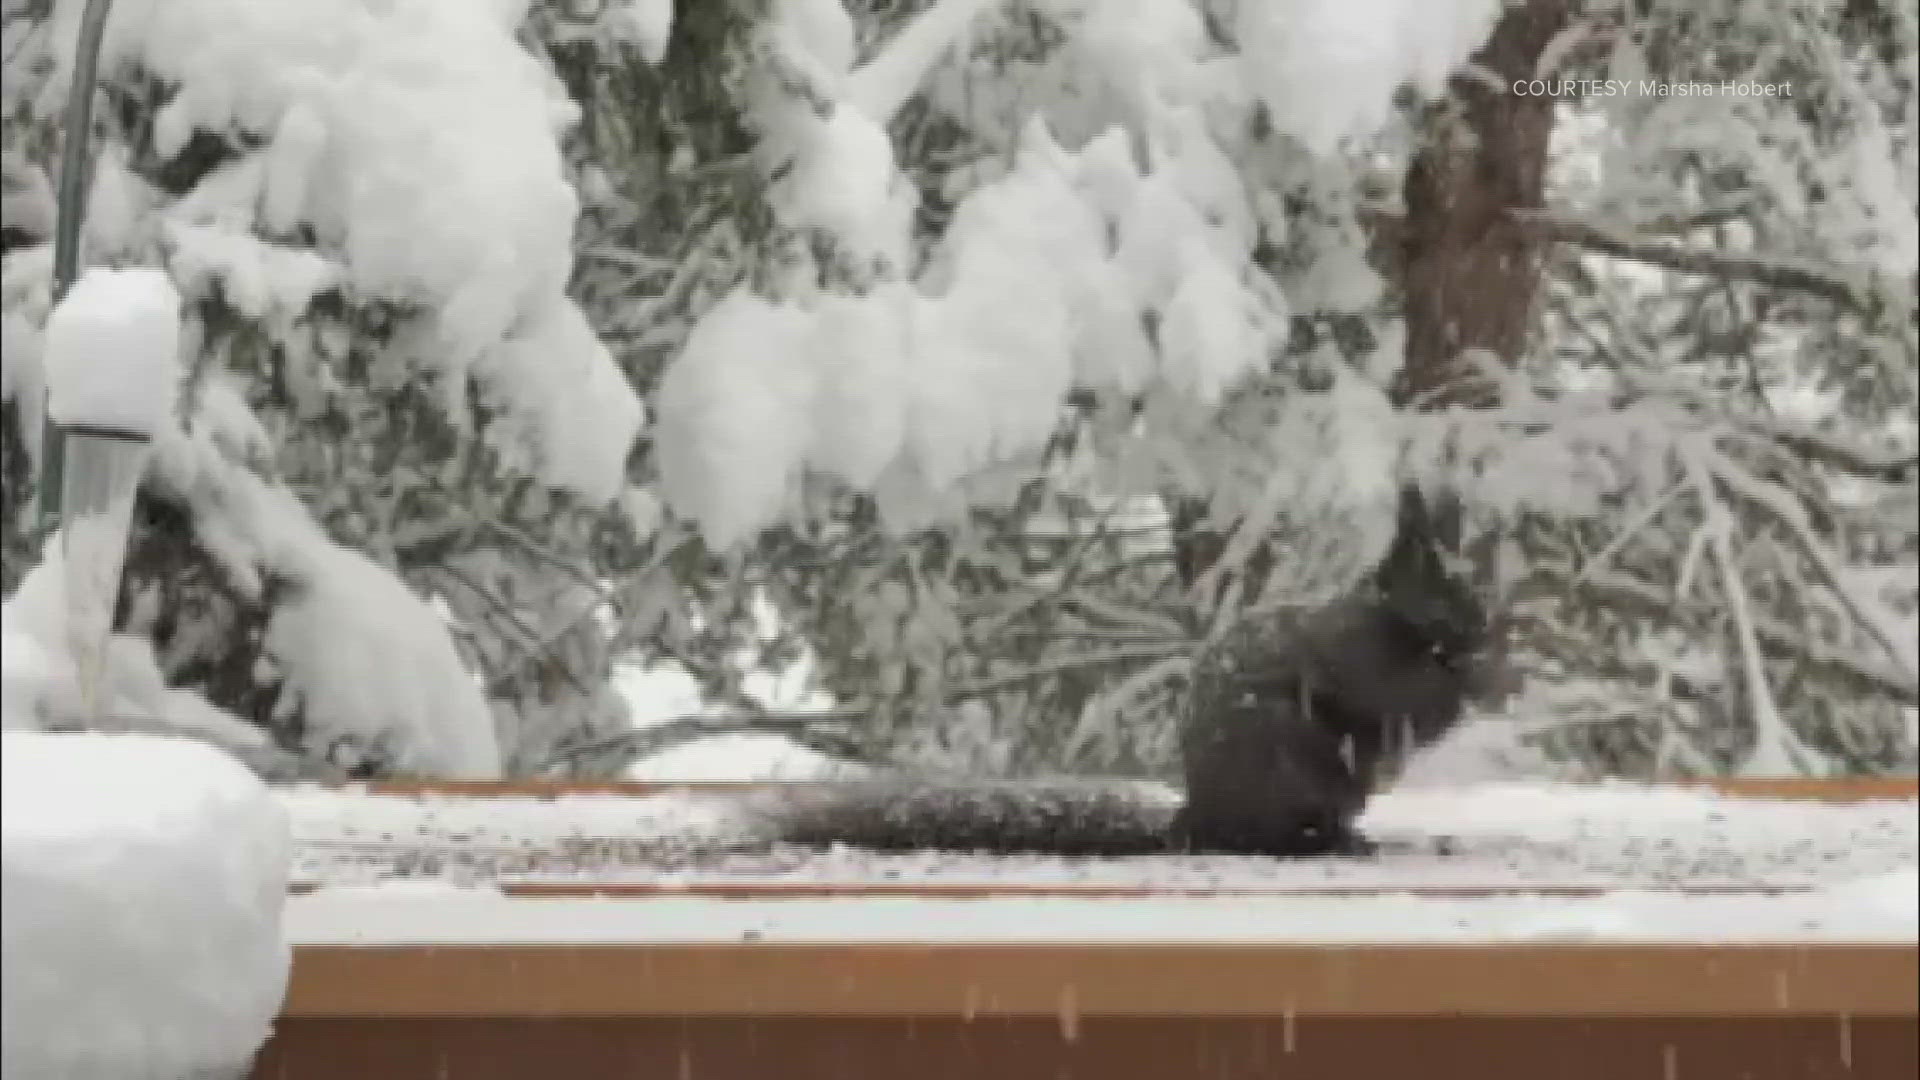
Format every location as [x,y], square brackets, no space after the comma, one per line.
[111,366]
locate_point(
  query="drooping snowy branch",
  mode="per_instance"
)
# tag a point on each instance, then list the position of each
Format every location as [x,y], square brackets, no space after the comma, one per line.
[1776,750]
[1852,290]
[417,121]
[878,87]
[1782,508]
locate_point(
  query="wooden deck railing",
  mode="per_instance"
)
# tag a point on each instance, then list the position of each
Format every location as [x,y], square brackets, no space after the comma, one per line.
[718,1011]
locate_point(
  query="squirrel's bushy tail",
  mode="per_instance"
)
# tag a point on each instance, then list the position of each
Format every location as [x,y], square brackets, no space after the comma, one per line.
[1059,817]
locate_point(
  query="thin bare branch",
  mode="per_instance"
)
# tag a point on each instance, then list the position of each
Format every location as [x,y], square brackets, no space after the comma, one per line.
[1116,655]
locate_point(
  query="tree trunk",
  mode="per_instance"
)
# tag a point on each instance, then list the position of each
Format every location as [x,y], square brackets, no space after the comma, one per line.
[1468,269]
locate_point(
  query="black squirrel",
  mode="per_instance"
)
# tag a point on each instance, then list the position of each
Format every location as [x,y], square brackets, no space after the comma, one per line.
[1291,726]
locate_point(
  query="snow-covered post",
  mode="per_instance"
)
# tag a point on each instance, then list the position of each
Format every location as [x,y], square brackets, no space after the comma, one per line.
[110,359]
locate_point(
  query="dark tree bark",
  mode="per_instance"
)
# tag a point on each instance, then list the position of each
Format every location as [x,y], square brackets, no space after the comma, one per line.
[1469,269]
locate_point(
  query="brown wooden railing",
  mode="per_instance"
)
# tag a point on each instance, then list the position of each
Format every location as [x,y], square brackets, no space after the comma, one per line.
[720,1011]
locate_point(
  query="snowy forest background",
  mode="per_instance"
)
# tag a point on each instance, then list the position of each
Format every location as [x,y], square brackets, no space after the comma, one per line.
[984,358]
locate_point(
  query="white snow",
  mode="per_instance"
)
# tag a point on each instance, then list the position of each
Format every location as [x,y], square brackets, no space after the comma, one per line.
[1213,331]
[408,916]
[110,350]
[1643,865]
[995,335]
[1495,836]
[328,817]
[144,885]
[648,24]
[859,347]
[366,656]
[569,414]
[878,87]
[40,682]
[720,758]
[1894,895]
[665,691]
[260,279]
[1328,68]
[917,383]
[735,417]
[656,693]
[844,182]
[821,31]
[1495,862]
[1057,257]
[392,130]
[839,172]
[1149,51]
[1053,263]
[1042,281]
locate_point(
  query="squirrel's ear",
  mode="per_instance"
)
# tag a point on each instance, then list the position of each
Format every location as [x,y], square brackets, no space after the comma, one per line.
[1423,579]
[1423,531]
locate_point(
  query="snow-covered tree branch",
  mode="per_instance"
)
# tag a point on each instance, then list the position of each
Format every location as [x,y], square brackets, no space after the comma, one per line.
[994,359]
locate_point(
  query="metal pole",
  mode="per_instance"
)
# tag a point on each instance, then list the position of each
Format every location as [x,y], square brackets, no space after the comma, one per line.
[70,211]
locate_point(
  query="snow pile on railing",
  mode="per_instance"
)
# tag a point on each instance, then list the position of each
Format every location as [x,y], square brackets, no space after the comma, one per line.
[145,879]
